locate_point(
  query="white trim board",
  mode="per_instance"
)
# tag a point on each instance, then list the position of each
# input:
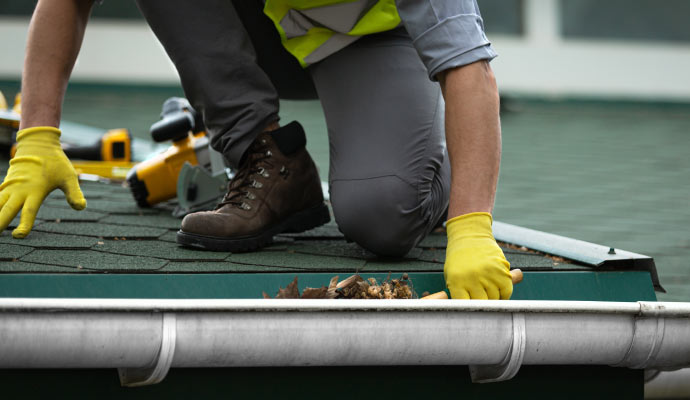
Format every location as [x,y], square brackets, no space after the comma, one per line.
[111,52]
[540,63]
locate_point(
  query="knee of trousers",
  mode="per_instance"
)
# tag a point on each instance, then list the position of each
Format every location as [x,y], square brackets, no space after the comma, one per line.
[383,214]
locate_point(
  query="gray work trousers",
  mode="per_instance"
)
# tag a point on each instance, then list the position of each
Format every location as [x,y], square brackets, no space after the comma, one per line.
[389,170]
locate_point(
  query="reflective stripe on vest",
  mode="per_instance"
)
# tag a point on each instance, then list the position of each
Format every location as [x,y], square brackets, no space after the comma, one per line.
[311,30]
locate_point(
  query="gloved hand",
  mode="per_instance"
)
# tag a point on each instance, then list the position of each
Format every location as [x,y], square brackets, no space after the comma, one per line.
[475,266]
[39,166]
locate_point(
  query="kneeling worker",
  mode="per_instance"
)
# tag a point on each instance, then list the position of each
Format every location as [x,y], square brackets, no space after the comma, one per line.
[376,67]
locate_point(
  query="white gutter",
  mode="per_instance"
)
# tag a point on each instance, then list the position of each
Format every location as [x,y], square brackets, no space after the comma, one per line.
[143,338]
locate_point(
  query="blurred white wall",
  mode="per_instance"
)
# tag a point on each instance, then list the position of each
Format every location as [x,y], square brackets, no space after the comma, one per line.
[543,62]
[540,62]
[121,51]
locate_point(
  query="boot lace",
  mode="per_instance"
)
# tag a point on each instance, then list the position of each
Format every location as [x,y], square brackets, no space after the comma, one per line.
[238,187]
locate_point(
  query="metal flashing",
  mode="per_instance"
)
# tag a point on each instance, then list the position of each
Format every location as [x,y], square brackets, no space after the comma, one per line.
[603,258]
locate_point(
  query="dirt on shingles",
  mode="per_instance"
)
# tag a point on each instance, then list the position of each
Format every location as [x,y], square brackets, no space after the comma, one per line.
[556,259]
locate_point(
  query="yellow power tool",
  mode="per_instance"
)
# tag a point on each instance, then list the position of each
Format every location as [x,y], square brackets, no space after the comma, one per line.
[114,146]
[155,180]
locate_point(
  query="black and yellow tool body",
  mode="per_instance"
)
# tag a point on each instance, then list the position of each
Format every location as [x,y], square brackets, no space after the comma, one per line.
[155,180]
[108,157]
[114,146]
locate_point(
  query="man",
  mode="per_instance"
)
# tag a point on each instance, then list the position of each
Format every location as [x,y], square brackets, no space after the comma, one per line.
[390,177]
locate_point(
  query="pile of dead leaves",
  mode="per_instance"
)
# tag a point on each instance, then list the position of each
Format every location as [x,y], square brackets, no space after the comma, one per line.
[354,287]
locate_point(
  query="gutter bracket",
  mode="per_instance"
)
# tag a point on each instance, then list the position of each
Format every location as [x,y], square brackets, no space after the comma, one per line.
[132,377]
[647,337]
[511,363]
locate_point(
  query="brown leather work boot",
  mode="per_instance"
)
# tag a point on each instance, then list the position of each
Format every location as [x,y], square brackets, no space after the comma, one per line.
[277,189]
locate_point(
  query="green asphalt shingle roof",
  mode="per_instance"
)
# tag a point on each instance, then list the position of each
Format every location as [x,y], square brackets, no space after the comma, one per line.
[113,235]
[607,172]
[600,171]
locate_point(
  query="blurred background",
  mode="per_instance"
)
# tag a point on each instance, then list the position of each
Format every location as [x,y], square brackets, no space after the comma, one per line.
[595,112]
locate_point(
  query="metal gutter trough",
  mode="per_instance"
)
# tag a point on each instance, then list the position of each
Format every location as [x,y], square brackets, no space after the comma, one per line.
[144,338]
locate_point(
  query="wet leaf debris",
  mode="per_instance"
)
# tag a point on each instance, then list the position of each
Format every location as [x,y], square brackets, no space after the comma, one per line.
[353,287]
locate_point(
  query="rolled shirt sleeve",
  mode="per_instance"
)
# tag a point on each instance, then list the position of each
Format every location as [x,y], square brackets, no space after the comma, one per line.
[446,34]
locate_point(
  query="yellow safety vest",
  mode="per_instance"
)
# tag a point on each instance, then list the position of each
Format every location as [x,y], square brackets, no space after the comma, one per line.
[311,30]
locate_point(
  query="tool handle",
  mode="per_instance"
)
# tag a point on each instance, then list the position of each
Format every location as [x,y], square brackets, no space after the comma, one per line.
[90,152]
[173,127]
[515,275]
[177,119]
[442,295]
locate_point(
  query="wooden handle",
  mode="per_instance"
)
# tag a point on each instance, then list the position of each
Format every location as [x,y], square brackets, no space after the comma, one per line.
[515,275]
[442,295]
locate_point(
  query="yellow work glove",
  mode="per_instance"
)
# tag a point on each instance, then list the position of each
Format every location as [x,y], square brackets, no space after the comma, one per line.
[475,266]
[39,166]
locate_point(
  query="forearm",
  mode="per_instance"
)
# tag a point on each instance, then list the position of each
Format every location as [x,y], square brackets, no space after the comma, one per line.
[473,135]
[475,267]
[55,36]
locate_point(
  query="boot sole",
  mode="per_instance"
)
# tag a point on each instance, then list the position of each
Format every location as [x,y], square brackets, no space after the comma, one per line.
[298,222]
